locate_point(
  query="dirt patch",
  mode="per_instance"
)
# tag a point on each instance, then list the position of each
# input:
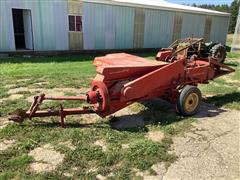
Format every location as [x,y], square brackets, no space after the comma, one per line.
[125,146]
[100,177]
[18,90]
[68,144]
[5,144]
[84,119]
[41,83]
[12,97]
[89,118]
[210,150]
[155,136]
[159,169]
[10,86]
[139,173]
[68,174]
[23,80]
[48,92]
[102,144]
[4,122]
[46,159]
[92,170]
[53,91]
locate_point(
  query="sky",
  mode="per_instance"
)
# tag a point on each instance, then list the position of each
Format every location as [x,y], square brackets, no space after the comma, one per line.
[216,2]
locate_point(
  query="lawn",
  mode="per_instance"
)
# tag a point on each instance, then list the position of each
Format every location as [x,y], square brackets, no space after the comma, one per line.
[91,146]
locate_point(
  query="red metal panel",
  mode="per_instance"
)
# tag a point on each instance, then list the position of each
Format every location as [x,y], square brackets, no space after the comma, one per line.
[164,77]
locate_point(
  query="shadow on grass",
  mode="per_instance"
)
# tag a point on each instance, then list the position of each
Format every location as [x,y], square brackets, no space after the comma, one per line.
[158,112]
[228,48]
[221,100]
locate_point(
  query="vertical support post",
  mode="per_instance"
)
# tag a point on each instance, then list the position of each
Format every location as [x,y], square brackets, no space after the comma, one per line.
[62,117]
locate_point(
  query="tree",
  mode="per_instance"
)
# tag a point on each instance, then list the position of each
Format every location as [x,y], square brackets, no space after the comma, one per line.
[234,11]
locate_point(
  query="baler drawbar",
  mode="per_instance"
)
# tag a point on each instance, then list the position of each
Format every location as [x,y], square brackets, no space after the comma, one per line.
[123,79]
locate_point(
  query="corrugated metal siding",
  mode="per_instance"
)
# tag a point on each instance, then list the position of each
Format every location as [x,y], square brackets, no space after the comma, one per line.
[99,26]
[139,24]
[75,40]
[219,29]
[101,21]
[49,19]
[207,29]
[88,23]
[177,29]
[193,25]
[75,7]
[110,28]
[158,28]
[124,27]
[7,42]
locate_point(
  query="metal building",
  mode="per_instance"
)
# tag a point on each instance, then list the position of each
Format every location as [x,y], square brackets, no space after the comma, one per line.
[39,25]
[52,25]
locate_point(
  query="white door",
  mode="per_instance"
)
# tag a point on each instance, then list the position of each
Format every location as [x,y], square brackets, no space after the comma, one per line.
[28,32]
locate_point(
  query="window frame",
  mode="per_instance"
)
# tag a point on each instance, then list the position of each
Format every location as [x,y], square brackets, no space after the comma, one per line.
[75,23]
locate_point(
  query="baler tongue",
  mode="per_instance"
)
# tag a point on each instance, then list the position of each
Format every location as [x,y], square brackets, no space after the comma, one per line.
[19,115]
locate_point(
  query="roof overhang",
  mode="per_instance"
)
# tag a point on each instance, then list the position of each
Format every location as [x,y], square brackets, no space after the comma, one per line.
[161,5]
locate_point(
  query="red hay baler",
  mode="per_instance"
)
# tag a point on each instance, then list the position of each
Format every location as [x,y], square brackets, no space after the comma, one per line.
[123,79]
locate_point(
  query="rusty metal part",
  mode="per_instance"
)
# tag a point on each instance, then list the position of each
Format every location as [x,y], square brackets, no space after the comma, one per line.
[19,115]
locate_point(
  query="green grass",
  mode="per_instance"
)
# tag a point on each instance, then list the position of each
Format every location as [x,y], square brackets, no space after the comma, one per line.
[233,55]
[225,91]
[75,72]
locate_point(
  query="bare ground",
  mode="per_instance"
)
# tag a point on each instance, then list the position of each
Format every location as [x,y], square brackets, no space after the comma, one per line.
[210,150]
[5,144]
[4,122]
[15,93]
[46,159]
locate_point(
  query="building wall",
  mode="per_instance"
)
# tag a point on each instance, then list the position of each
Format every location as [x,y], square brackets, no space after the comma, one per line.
[158,28]
[219,29]
[139,26]
[107,26]
[122,27]
[49,23]
[193,25]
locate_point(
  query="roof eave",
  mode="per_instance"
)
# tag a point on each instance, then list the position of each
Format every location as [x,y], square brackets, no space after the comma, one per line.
[216,13]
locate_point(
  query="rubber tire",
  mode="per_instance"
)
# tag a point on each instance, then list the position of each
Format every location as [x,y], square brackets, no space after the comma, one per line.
[186,91]
[218,48]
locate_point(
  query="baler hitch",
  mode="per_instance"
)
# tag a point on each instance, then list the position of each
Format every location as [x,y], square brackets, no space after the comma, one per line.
[19,115]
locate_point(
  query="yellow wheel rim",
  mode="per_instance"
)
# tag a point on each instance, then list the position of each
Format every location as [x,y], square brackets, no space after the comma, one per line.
[191,102]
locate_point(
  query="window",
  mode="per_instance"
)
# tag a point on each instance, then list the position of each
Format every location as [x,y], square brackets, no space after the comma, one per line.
[75,23]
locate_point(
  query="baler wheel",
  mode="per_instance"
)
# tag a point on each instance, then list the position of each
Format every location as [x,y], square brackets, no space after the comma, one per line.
[189,101]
